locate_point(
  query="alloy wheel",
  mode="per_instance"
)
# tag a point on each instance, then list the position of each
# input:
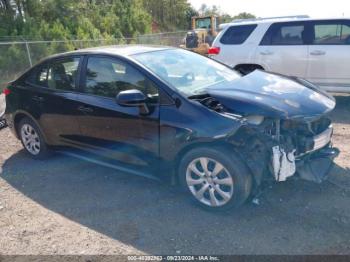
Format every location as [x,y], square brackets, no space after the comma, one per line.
[209,181]
[30,139]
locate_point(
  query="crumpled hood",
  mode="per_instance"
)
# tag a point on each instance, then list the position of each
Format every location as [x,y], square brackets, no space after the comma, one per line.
[273,95]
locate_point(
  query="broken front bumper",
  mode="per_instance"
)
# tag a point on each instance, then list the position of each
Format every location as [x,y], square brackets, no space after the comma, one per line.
[318,141]
[316,166]
[317,162]
[313,165]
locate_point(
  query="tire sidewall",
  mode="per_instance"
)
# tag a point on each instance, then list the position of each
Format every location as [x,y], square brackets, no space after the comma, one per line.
[242,181]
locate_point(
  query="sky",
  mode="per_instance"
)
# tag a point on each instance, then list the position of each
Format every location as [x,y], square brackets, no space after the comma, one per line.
[270,8]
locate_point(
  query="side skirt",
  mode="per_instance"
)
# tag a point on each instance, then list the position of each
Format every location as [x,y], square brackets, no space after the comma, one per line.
[119,167]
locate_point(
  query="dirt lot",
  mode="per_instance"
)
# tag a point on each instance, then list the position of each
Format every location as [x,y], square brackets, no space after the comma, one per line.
[67,206]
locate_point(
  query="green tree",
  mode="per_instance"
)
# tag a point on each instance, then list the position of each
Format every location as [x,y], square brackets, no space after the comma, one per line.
[244,15]
[67,20]
[169,14]
[64,21]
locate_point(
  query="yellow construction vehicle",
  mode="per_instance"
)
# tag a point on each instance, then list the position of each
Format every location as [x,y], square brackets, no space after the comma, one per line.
[203,33]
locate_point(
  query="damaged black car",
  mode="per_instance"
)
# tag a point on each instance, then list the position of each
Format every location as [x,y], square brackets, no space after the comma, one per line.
[173,115]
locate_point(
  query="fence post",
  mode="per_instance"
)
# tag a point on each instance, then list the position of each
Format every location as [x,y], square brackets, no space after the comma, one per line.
[28,53]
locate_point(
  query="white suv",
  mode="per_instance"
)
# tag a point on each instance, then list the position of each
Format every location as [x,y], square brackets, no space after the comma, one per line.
[315,49]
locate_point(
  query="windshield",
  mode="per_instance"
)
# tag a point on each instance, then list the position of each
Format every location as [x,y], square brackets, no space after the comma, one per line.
[188,72]
[203,23]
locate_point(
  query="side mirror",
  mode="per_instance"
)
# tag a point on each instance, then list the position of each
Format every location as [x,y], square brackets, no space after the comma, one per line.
[133,98]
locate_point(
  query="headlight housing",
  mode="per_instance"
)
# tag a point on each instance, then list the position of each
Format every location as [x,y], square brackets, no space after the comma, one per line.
[254,119]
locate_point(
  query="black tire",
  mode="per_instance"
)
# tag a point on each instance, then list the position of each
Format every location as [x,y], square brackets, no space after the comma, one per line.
[236,169]
[43,151]
[247,69]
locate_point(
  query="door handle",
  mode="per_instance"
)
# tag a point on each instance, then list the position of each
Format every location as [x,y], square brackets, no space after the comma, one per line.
[267,52]
[85,109]
[317,52]
[38,98]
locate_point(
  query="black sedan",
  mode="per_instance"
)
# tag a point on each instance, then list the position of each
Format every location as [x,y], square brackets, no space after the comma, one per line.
[174,115]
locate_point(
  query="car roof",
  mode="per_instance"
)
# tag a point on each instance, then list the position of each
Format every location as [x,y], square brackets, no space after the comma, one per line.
[121,50]
[270,20]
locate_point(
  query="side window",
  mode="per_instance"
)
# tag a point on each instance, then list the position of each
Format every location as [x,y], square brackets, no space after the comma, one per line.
[236,35]
[62,73]
[332,33]
[108,76]
[41,77]
[284,34]
[38,76]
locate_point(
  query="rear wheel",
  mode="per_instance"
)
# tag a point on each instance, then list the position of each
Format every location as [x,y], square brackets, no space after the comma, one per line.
[32,139]
[215,178]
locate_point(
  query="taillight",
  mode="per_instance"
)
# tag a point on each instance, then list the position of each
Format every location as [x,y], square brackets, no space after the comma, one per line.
[6,91]
[214,50]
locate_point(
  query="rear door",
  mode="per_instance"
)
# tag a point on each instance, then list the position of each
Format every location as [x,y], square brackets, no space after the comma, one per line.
[329,55]
[126,134]
[283,49]
[51,93]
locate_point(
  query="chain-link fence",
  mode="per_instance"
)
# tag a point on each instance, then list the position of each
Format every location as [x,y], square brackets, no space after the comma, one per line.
[17,56]
[168,39]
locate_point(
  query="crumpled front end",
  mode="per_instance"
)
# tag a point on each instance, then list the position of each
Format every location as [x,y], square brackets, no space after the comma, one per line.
[303,147]
[276,149]
[286,130]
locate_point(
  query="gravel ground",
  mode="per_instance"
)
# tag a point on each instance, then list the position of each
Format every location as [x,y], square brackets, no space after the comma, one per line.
[67,206]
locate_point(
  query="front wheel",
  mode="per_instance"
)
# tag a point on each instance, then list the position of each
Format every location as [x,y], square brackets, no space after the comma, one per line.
[215,178]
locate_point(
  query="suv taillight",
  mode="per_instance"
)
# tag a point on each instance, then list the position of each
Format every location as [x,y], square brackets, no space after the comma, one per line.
[6,91]
[214,50]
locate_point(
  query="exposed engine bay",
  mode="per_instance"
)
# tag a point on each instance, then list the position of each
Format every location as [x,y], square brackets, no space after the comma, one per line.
[283,147]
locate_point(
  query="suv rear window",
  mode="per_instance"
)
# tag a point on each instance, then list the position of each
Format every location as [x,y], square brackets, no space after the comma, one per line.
[331,33]
[236,35]
[284,34]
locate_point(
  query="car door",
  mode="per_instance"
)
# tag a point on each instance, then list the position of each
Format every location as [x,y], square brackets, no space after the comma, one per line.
[51,90]
[329,55]
[127,134]
[283,49]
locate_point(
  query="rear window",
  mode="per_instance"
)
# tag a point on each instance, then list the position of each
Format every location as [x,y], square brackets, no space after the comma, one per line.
[236,35]
[58,74]
[38,76]
[284,34]
[62,74]
[331,33]
[41,76]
